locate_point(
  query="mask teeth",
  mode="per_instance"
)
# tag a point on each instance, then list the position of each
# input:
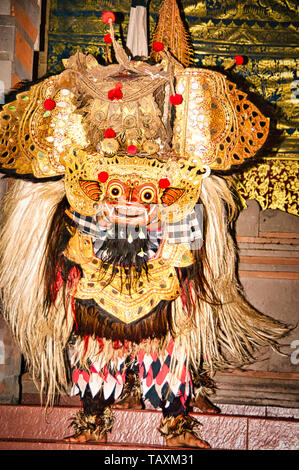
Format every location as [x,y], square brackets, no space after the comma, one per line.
[109,209]
[141,235]
[141,253]
[130,238]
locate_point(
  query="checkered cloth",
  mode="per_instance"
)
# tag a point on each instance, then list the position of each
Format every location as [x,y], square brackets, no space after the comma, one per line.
[187,230]
[88,226]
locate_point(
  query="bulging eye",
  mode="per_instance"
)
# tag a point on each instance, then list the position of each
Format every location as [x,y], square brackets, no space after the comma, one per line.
[115,190]
[147,195]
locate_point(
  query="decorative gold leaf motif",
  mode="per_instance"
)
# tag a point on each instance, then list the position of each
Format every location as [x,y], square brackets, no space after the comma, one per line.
[171,195]
[171,32]
[216,124]
[92,189]
[16,154]
[33,141]
[273,184]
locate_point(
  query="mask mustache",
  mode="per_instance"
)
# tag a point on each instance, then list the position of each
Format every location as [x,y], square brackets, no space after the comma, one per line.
[128,213]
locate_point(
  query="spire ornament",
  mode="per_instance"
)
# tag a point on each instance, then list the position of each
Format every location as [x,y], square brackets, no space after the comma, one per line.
[172,34]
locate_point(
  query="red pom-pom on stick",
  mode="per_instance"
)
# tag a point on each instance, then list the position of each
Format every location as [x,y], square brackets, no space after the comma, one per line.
[49,104]
[176,99]
[158,46]
[109,133]
[164,183]
[239,60]
[103,176]
[108,17]
[131,149]
[107,39]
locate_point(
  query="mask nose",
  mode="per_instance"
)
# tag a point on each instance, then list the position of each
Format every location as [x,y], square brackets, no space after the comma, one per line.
[131,196]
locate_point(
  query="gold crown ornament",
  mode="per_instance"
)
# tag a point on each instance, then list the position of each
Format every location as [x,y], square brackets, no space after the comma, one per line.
[117,120]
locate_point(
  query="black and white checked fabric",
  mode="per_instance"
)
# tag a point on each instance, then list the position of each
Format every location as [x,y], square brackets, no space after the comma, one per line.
[187,230]
[88,226]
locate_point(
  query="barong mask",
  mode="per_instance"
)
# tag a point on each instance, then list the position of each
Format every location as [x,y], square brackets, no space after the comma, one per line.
[132,142]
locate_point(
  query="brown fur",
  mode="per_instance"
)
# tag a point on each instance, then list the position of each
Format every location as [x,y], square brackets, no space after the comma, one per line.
[94,321]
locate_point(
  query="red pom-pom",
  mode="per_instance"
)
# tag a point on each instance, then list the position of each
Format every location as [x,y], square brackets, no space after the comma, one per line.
[107,39]
[115,94]
[239,60]
[164,183]
[132,149]
[111,94]
[158,46]
[49,104]
[103,176]
[109,133]
[176,99]
[108,17]
[118,94]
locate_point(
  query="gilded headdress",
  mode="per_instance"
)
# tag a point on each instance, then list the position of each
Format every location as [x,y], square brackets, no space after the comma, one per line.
[164,123]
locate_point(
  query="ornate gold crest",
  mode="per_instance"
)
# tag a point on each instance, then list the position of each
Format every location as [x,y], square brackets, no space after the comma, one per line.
[128,305]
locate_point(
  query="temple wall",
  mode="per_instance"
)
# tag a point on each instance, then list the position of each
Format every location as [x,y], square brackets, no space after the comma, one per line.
[268,243]
[19,39]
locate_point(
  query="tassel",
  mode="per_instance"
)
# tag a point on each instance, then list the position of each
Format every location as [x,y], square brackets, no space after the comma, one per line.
[86,341]
[72,283]
[56,285]
[172,426]
[96,426]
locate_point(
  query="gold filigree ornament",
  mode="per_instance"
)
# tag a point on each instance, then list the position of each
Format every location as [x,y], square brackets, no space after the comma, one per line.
[171,32]
[128,305]
[272,183]
[151,147]
[109,146]
[33,139]
[215,126]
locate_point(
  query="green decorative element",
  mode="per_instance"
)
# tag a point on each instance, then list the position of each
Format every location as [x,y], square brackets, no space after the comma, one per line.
[41,154]
[25,98]
[12,108]
[47,114]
